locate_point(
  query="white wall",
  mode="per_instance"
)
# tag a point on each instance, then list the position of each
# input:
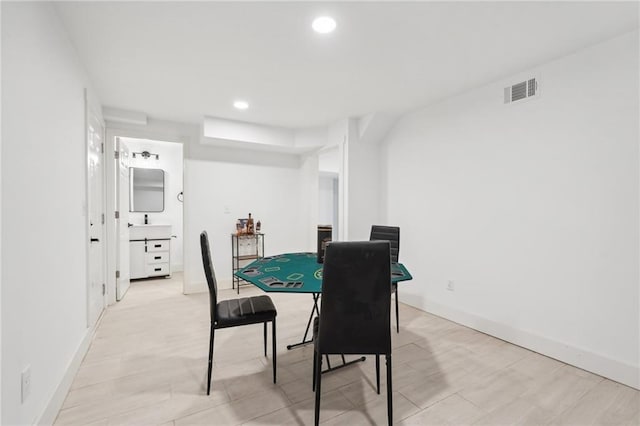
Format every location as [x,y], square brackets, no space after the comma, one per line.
[327,199]
[171,161]
[250,136]
[0,235]
[232,130]
[337,136]
[363,184]
[312,137]
[44,301]
[531,209]
[308,198]
[329,160]
[359,191]
[218,193]
[328,192]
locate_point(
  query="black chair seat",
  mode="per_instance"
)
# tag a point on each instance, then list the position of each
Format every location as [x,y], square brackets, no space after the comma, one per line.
[245,310]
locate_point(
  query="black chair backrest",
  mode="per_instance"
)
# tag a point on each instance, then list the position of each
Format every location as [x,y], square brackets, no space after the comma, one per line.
[387,233]
[210,274]
[355,310]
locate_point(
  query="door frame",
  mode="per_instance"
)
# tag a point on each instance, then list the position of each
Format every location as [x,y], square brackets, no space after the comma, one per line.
[93,108]
[119,219]
[115,130]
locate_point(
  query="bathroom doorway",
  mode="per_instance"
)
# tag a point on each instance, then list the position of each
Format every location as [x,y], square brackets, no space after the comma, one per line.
[149,211]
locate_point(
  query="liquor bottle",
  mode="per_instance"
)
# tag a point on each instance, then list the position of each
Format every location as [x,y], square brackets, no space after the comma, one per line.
[250,225]
[258,226]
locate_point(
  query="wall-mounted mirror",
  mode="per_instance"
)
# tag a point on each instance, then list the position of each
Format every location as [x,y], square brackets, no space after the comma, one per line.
[146,190]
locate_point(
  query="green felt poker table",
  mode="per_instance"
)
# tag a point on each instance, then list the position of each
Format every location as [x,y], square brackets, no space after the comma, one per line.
[299,273]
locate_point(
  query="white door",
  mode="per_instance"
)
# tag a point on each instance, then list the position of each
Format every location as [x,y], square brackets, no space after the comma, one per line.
[95,214]
[122,222]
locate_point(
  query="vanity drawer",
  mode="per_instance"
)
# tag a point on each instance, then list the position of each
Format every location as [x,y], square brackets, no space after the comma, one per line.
[158,269]
[157,245]
[150,258]
[158,257]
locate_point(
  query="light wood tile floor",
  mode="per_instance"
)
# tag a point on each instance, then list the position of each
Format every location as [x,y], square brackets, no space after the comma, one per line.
[147,365]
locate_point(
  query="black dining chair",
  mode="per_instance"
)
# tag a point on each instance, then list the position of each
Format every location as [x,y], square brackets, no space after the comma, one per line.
[235,312]
[356,309]
[391,234]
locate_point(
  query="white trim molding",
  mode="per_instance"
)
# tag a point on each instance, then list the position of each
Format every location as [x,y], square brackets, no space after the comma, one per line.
[54,405]
[602,365]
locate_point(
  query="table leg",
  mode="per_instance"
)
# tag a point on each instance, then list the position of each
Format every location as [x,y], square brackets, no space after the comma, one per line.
[316,297]
[344,363]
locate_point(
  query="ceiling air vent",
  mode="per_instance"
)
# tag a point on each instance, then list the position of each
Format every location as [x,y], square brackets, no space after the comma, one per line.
[520,91]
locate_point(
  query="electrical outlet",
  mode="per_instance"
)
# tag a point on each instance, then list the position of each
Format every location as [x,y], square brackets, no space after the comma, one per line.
[451,286]
[26,383]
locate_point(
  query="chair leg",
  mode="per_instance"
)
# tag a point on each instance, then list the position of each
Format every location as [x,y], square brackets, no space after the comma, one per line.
[378,374]
[273,345]
[265,338]
[211,336]
[389,392]
[397,313]
[318,382]
[315,359]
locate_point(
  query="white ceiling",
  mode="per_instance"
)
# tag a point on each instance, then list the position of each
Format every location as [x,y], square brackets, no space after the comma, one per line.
[182,61]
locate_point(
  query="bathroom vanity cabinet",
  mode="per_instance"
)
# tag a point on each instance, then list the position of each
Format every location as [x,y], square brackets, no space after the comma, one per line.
[150,251]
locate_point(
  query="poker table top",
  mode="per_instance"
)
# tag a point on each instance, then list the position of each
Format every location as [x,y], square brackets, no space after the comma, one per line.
[297,273]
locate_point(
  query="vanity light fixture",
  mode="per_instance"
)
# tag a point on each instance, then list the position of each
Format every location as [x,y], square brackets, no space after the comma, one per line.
[241,104]
[324,24]
[146,155]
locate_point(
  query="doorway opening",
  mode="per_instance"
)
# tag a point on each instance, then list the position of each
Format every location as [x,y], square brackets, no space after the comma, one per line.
[149,210]
[328,190]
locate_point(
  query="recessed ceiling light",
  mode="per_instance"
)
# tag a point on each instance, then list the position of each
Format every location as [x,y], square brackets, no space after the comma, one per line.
[241,104]
[324,24]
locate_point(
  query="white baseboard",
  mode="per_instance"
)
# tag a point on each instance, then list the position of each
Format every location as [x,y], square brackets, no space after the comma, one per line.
[57,399]
[602,365]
